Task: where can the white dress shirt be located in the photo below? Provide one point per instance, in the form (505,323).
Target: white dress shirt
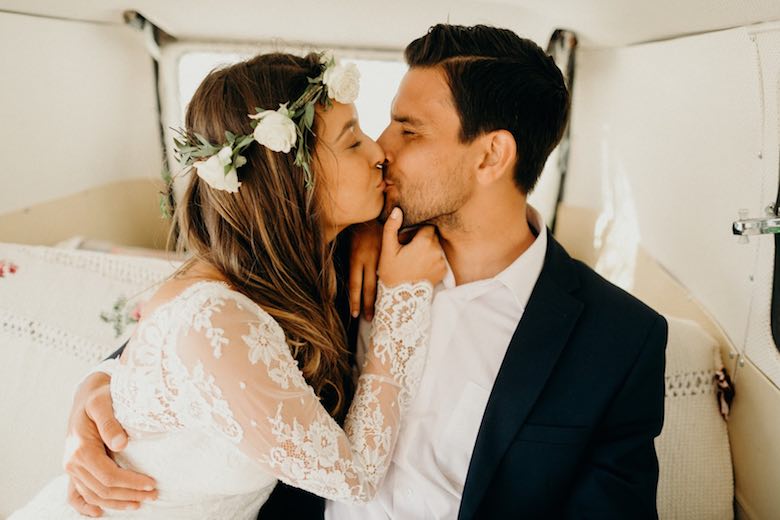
(471,327)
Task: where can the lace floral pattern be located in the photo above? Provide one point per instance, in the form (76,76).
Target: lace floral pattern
(226,368)
(400,326)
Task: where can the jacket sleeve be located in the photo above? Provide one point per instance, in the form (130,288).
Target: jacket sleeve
(619,478)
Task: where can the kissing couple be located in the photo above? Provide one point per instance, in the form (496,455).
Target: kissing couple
(498,378)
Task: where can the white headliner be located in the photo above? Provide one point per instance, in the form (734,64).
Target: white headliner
(391,25)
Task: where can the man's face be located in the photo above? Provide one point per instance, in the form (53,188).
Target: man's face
(427,170)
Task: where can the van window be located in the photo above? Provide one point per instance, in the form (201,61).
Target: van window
(379,79)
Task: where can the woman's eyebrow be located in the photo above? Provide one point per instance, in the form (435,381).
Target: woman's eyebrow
(349,124)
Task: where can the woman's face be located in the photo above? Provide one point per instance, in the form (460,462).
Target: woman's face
(350,187)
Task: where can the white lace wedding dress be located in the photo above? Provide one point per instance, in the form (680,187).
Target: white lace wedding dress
(217,409)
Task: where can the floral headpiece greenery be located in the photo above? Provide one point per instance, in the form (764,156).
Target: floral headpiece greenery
(279,130)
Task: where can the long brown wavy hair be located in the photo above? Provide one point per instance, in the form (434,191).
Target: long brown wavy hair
(267,239)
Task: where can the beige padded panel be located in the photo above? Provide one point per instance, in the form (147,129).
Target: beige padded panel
(759,346)
(77,109)
(668,135)
(124,213)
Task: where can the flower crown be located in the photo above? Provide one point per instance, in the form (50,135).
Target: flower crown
(278,130)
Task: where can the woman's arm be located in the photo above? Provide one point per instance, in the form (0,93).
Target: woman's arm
(251,391)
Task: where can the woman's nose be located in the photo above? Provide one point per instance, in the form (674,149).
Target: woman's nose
(377,153)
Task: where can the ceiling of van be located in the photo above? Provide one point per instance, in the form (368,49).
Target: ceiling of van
(392,24)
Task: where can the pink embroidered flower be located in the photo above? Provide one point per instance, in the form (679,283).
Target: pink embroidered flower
(136,314)
(7,267)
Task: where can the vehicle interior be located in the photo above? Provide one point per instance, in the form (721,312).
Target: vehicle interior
(666,183)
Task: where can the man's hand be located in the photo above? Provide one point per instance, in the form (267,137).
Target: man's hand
(364,258)
(95,479)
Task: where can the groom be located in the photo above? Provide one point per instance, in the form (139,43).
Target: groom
(543,388)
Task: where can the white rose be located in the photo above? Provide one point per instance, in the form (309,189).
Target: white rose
(343,82)
(275,130)
(212,171)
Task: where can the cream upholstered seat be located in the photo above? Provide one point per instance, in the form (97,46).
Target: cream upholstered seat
(61,312)
(696,478)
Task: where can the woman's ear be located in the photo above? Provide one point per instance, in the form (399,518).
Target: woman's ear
(498,156)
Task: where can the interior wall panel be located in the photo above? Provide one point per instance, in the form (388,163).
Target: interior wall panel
(670,140)
(78,109)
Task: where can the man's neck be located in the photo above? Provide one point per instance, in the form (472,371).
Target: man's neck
(488,240)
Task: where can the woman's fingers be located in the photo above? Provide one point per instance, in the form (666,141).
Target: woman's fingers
(390,232)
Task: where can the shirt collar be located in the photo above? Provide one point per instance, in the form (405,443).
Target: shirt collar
(520,276)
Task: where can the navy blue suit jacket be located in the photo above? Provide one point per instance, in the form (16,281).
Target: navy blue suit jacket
(569,426)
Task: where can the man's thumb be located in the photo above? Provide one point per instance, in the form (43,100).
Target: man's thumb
(392,225)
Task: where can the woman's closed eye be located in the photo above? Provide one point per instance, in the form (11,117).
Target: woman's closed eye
(356,144)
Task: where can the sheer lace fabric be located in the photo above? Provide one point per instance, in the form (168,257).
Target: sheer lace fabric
(218,410)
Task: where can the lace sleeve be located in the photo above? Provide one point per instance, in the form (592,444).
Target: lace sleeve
(249,388)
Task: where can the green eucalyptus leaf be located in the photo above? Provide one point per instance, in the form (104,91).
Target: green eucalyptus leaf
(308,116)
(245,141)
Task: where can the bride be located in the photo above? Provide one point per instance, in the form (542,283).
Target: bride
(237,373)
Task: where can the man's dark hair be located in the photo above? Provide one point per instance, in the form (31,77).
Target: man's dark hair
(499,81)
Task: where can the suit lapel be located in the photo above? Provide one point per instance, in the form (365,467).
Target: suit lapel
(533,351)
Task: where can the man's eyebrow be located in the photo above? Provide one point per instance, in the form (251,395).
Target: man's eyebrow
(349,124)
(407,119)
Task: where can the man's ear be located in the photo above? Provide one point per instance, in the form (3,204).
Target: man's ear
(498,156)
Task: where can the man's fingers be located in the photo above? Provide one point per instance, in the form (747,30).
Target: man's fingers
(78,503)
(131,497)
(390,232)
(94,460)
(95,500)
(369,293)
(110,475)
(355,286)
(100,410)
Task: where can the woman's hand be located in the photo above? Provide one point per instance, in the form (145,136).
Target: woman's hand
(95,479)
(421,259)
(365,246)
